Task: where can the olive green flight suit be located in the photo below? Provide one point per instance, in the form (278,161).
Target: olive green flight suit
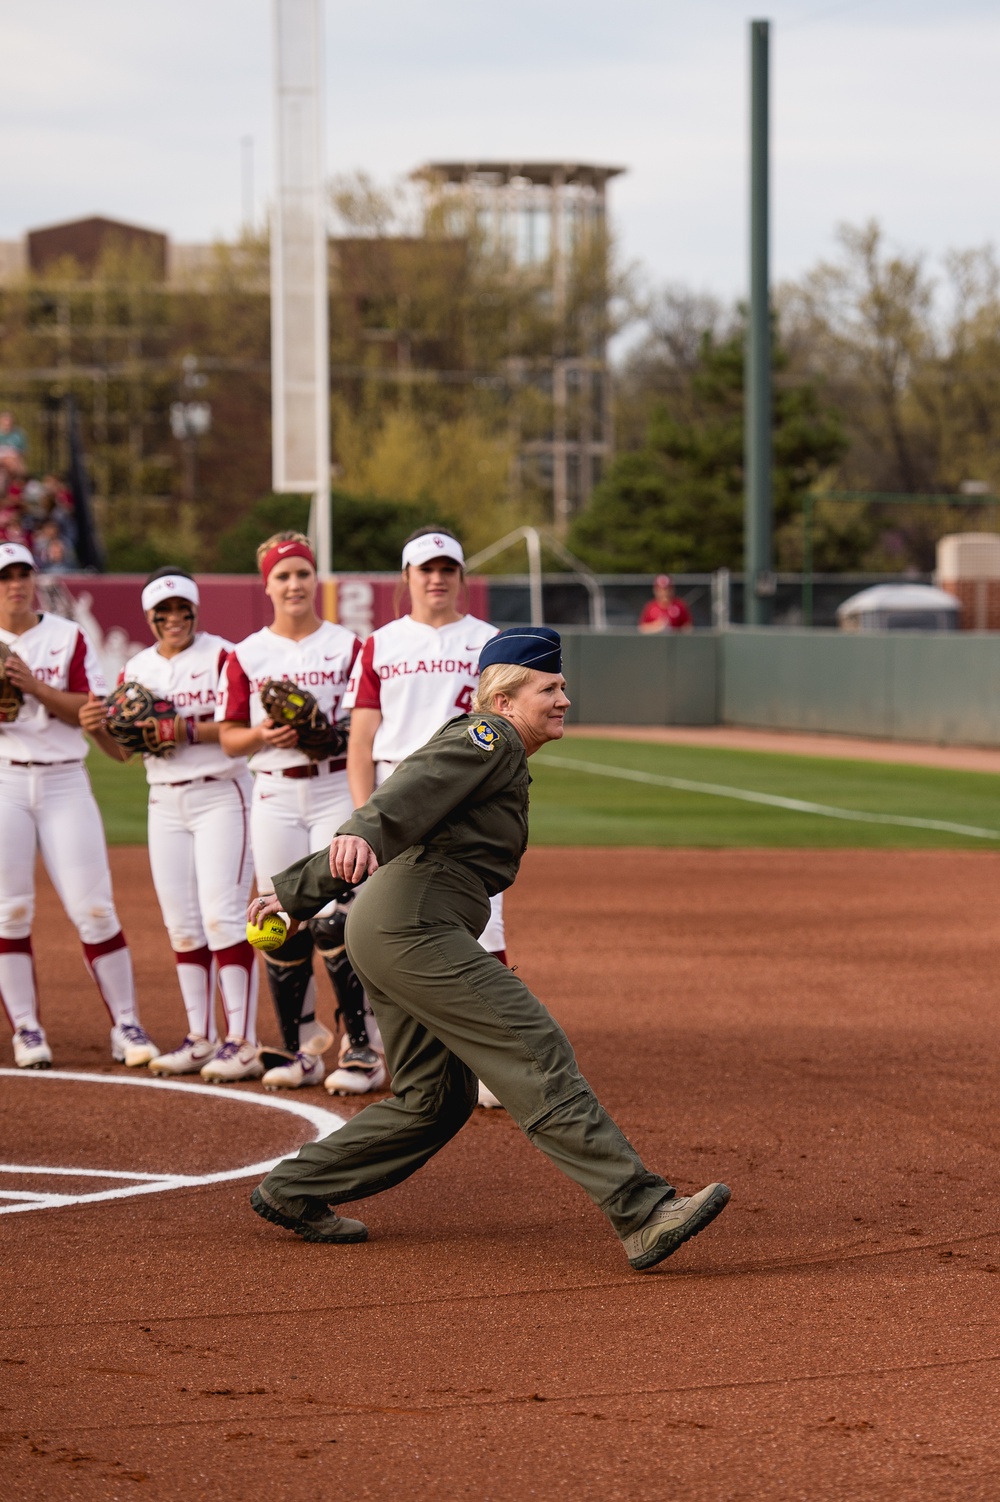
(449,829)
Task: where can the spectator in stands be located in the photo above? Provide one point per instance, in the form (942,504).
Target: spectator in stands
(58,505)
(34,497)
(51,553)
(13,445)
(664,612)
(11,518)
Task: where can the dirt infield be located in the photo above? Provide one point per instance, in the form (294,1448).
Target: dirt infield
(817,1028)
(799,743)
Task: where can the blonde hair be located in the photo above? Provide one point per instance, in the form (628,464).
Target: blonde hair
(266,547)
(498,678)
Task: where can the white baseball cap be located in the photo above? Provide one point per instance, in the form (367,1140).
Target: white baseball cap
(432,545)
(15,552)
(169,587)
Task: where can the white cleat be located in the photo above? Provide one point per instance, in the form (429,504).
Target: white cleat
(31,1051)
(236,1060)
(131,1045)
(303,1069)
(487,1099)
(186,1059)
(359,1071)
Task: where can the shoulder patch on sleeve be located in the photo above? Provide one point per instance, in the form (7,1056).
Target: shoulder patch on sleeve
(483,735)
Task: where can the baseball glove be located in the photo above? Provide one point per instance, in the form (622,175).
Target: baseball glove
(287,704)
(140,721)
(11,697)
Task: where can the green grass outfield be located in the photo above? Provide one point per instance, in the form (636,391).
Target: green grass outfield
(121,793)
(579,807)
(613,805)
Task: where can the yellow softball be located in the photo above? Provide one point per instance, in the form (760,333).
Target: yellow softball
(271,934)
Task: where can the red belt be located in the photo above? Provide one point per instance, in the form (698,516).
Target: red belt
(75,762)
(185,782)
(312,769)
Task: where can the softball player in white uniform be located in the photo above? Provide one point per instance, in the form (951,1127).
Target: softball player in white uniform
(298,803)
(46,804)
(199,836)
(414,675)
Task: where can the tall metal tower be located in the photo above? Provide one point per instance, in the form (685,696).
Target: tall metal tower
(543,216)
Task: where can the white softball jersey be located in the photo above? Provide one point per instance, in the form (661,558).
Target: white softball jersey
(321,663)
(292,814)
(418,677)
(59,654)
(191,681)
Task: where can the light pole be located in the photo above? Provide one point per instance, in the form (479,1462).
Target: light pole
(758,503)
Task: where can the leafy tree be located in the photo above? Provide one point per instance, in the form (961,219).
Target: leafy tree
(126,555)
(461,465)
(911,360)
(368,533)
(677,502)
(866,321)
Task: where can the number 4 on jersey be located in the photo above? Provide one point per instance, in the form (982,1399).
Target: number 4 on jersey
(464,700)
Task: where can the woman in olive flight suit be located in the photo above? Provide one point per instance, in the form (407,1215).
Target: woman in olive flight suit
(443,834)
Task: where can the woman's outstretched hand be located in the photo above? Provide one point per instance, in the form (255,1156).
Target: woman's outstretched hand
(351,858)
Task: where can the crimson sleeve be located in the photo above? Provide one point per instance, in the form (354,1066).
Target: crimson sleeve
(235,698)
(649,613)
(368,693)
(77,681)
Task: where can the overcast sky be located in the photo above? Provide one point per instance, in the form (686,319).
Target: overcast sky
(887,108)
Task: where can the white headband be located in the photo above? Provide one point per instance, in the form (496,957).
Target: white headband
(432,545)
(170,587)
(14,552)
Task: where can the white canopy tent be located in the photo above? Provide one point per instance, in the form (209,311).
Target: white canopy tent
(900,607)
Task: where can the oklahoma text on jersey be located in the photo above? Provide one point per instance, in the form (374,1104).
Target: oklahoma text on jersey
(401,669)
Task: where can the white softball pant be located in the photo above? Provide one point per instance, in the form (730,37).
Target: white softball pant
(293,817)
(52,809)
(199,854)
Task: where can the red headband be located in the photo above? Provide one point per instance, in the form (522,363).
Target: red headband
(283,550)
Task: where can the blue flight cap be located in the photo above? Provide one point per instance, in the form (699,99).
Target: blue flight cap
(537,647)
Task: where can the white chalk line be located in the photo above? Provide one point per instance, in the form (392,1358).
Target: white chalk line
(772,800)
(322,1120)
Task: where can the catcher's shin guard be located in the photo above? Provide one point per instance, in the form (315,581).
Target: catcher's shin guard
(289,975)
(329,936)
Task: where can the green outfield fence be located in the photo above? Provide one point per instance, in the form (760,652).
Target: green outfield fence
(909,686)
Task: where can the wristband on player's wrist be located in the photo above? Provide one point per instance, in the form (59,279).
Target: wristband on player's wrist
(191,731)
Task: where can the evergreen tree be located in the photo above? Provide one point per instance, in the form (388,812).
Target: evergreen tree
(677,502)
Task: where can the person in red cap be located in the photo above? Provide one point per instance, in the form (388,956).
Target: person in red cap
(664,612)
